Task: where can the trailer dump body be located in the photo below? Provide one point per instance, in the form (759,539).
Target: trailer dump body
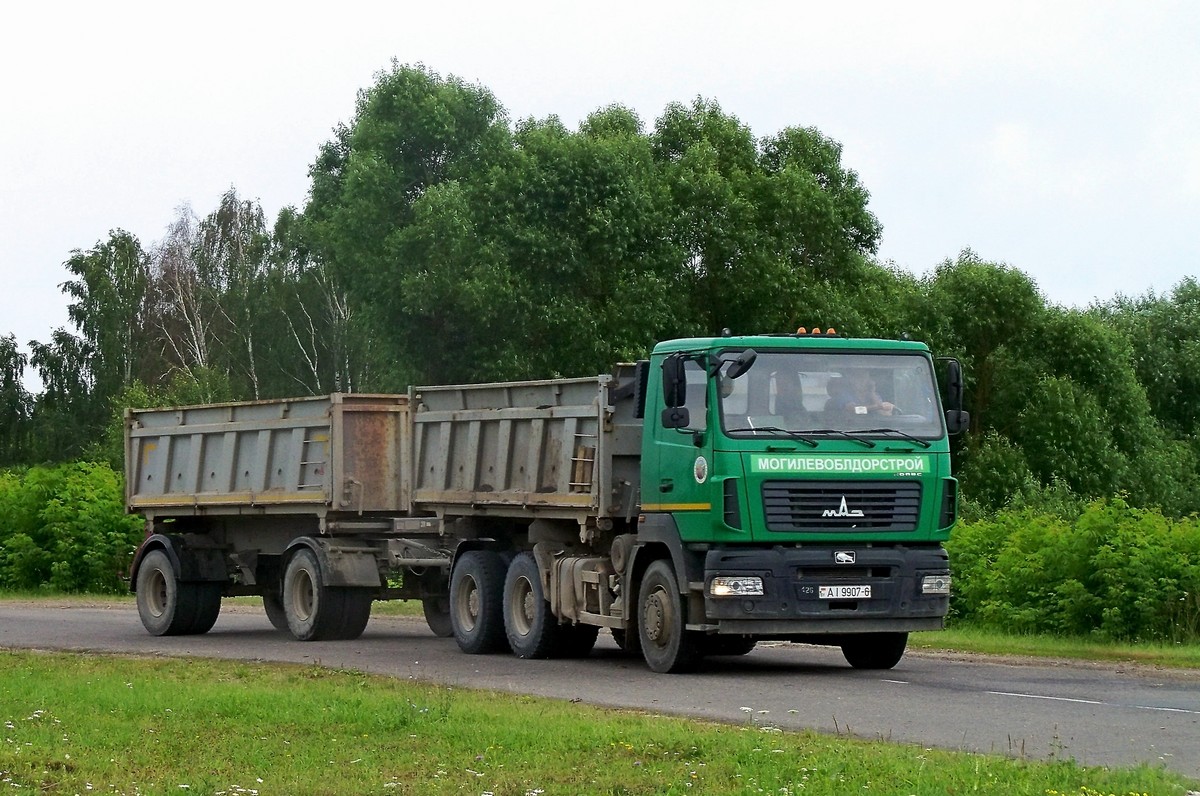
(312,456)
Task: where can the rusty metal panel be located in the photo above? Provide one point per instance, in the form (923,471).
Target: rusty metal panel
(370,441)
(339,452)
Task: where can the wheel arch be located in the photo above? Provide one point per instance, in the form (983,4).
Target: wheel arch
(658,537)
(190,564)
(340,566)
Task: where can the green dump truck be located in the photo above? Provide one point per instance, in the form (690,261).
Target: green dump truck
(725,491)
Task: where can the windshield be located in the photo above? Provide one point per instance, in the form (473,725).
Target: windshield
(872,395)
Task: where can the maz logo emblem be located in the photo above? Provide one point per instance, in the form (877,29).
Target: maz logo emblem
(842,511)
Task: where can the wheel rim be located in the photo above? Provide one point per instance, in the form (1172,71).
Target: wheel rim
(156,593)
(466,605)
(657,616)
(303,593)
(522,610)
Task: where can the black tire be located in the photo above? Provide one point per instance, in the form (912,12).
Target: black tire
(273,605)
(630,643)
(874,650)
(667,645)
(207,599)
(170,608)
(532,631)
(728,645)
(477,602)
(314,611)
(437,616)
(577,640)
(356,612)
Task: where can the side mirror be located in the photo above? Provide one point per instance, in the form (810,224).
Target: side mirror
(954,384)
(676,417)
(741,364)
(674,381)
(957,421)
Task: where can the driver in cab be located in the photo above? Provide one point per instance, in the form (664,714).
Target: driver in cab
(855,393)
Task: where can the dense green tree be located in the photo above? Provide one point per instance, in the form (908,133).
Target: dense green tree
(1164,334)
(110,304)
(69,409)
(15,402)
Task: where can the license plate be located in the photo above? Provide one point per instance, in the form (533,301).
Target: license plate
(844,592)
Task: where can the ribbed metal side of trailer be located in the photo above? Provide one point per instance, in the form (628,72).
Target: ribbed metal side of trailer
(337,453)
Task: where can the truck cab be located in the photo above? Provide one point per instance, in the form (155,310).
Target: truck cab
(798,487)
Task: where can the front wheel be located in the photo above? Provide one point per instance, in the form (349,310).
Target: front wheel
(729,645)
(874,650)
(170,608)
(667,645)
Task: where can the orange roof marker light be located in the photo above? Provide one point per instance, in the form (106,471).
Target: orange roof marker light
(816,331)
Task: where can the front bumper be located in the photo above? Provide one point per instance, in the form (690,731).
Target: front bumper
(792,576)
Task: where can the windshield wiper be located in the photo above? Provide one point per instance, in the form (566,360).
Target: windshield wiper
(838,432)
(924,443)
(796,435)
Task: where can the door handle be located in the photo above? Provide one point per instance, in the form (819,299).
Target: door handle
(666,485)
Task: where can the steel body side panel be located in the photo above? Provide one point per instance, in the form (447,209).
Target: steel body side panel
(303,455)
(553,448)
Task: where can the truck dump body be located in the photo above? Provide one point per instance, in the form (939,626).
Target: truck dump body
(561,448)
(292,456)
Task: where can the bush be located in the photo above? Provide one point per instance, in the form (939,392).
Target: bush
(1111,571)
(65,528)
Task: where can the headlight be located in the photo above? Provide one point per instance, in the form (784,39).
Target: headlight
(736,587)
(935,584)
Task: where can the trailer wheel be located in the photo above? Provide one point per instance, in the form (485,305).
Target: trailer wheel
(170,608)
(477,602)
(437,616)
(273,605)
(874,650)
(667,645)
(356,612)
(317,612)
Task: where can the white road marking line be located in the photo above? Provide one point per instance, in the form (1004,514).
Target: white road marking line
(1094,702)
(897,682)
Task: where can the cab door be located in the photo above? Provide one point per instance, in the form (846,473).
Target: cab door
(679,482)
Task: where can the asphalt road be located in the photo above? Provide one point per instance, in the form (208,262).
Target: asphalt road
(1097,715)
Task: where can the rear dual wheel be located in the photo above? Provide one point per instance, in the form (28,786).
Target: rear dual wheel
(477,602)
(316,611)
(168,607)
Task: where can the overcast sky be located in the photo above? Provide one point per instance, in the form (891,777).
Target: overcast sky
(1061,138)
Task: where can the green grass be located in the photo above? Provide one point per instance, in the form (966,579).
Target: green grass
(87,723)
(991,642)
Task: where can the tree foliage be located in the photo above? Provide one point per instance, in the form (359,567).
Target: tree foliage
(441,243)
(65,528)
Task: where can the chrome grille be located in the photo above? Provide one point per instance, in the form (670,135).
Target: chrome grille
(814,506)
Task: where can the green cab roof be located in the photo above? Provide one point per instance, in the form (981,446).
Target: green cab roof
(790,342)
